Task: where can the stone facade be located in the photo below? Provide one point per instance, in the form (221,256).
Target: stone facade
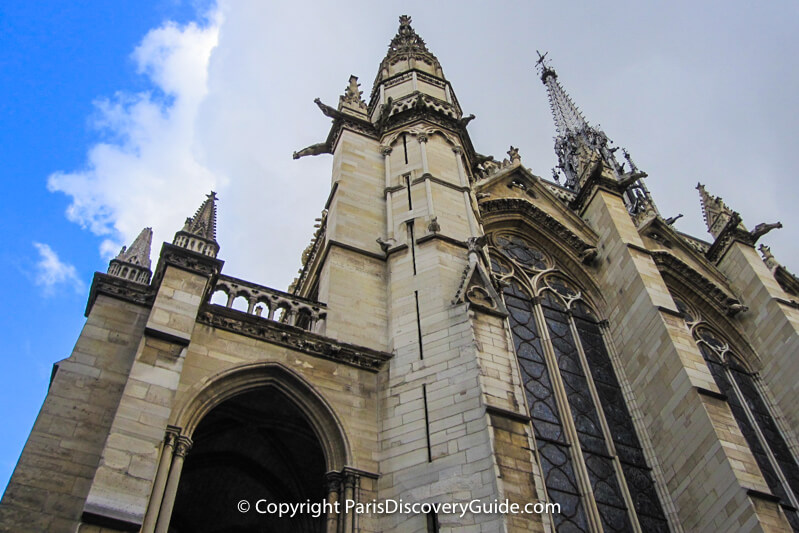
(458,325)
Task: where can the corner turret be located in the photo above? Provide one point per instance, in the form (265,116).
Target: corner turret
(199,232)
(134,263)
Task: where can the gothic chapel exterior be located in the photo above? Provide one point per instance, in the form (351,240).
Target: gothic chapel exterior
(461,329)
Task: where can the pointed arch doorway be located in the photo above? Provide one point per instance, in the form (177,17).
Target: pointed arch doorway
(258,432)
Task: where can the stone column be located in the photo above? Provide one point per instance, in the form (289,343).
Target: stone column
(181,450)
(333,482)
(422,138)
(350,480)
(467,200)
(160,479)
(386,151)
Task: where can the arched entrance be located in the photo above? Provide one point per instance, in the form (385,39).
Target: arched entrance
(254,432)
(257,445)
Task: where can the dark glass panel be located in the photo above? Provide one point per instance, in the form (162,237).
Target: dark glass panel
(601,474)
(554,452)
(620,423)
(724,385)
(767,425)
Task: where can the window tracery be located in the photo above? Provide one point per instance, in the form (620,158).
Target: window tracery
(750,410)
(591,459)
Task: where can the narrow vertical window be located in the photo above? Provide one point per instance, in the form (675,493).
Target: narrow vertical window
(588,438)
(752,414)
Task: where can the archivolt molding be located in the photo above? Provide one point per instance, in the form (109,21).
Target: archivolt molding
(539,218)
(207,394)
(688,277)
(698,317)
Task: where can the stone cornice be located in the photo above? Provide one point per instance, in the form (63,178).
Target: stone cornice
(539,216)
(439,181)
(121,289)
(445,238)
(668,263)
(187,260)
(291,337)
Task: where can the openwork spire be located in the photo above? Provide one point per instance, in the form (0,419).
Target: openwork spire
(134,263)
(568,118)
(199,232)
(714,211)
(583,149)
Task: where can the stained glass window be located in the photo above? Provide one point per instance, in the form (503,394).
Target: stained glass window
(583,430)
(752,414)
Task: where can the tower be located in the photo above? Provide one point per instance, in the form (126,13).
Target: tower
(462,334)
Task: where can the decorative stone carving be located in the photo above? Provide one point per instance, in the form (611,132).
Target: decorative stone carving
(291,337)
(314,149)
(538,217)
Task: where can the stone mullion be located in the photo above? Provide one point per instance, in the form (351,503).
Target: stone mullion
(643,437)
(581,471)
(759,433)
(610,445)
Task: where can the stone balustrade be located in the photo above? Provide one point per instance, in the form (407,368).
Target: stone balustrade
(296,311)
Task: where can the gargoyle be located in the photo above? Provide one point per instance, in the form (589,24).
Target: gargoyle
(762,229)
(465,120)
(630,178)
(326,109)
(588,255)
(672,220)
(314,149)
(735,308)
(385,111)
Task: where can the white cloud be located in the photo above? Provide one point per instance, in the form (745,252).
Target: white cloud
(147,171)
(50,271)
(693,99)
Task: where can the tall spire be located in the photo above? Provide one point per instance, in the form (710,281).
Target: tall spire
(714,211)
(568,118)
(199,232)
(580,147)
(134,263)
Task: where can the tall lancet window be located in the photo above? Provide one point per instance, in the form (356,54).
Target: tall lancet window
(751,412)
(590,455)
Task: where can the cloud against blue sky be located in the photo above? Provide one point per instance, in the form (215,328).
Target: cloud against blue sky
(123,115)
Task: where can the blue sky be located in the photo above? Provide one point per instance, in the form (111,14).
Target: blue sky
(120,115)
